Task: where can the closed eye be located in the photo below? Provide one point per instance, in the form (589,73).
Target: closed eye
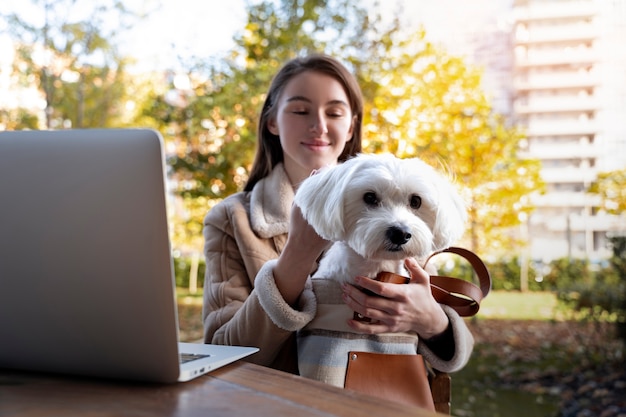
(371,199)
(415,202)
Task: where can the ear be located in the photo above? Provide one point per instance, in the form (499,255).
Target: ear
(272,127)
(451,214)
(321,200)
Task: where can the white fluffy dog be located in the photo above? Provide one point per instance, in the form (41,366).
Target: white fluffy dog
(380,210)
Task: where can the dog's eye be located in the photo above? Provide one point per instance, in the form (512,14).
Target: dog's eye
(416,201)
(370,199)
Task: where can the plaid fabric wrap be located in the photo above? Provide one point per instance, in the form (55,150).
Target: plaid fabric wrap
(323,345)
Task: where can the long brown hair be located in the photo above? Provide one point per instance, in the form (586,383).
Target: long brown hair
(269,151)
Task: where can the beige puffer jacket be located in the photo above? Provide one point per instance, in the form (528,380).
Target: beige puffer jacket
(243,235)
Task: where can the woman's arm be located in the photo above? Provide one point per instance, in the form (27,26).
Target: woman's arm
(299,257)
(232,313)
(242,301)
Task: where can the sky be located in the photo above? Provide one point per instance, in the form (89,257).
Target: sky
(184,27)
(207,27)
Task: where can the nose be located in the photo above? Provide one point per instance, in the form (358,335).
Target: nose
(398,235)
(318,125)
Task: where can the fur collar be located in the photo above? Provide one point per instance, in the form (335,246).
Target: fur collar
(270,204)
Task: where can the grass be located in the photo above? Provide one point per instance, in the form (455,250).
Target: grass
(183,296)
(515,305)
(497,305)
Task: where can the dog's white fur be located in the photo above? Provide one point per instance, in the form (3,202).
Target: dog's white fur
(364,205)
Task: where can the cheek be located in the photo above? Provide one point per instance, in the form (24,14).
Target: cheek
(288,123)
(341,129)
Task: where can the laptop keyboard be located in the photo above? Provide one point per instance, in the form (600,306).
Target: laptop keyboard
(188,357)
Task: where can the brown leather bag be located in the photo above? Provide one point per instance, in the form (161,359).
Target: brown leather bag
(399,378)
(403,378)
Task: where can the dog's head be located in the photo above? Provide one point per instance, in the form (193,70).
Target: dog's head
(383,207)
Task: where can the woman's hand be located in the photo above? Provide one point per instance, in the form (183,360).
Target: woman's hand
(400,308)
(296,261)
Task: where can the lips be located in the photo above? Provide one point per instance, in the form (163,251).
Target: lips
(316,143)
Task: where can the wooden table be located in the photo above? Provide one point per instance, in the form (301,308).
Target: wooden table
(237,390)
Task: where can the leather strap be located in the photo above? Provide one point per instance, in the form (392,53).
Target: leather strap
(463,296)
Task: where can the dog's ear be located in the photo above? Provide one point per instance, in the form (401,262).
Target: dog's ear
(451,214)
(321,200)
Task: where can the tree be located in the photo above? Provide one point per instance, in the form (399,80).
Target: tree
(429,104)
(611,188)
(420,101)
(73,60)
(211,123)
(15,119)
(222,111)
(618,263)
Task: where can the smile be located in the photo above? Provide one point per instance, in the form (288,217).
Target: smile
(316,145)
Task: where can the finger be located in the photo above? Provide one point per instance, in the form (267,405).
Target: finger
(418,275)
(374,327)
(357,300)
(372,307)
(381,289)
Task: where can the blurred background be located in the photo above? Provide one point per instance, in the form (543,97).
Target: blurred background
(524,101)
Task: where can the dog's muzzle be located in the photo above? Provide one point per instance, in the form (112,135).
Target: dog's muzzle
(398,236)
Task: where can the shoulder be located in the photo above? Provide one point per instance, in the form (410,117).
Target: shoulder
(232,206)
(266,209)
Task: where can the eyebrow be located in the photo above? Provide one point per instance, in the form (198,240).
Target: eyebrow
(305,99)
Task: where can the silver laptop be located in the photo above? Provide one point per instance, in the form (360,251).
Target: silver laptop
(86,281)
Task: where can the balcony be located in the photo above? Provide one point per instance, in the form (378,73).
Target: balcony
(562,128)
(568,176)
(556,105)
(565,199)
(557,57)
(583,223)
(542,11)
(538,150)
(572,34)
(555,81)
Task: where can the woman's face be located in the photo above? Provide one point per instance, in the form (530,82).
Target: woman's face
(313,121)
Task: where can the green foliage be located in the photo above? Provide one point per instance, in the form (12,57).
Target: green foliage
(505,274)
(14,119)
(419,101)
(594,292)
(566,272)
(618,264)
(182,271)
(73,62)
(424,102)
(611,187)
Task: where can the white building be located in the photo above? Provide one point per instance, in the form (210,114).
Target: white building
(556,68)
(569,90)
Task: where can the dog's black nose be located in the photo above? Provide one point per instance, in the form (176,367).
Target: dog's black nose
(398,235)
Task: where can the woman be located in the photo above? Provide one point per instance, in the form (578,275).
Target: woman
(259,250)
